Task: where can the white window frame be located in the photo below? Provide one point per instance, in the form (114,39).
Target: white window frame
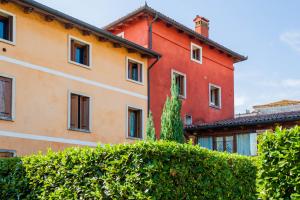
(220,96)
(185,82)
(14,27)
(185,117)
(201,55)
(122,34)
(143,68)
(69,111)
(126,121)
(13,98)
(70,37)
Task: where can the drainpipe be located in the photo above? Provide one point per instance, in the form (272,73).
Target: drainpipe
(152,65)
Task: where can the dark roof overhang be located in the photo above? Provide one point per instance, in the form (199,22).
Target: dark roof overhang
(259,119)
(102,34)
(146,9)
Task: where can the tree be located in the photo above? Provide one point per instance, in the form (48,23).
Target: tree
(150,130)
(171,123)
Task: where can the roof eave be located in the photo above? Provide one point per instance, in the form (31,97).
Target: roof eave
(236,57)
(80,24)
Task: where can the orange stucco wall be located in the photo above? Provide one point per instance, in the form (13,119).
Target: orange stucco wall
(41,100)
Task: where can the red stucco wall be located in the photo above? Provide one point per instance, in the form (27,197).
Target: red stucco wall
(216,68)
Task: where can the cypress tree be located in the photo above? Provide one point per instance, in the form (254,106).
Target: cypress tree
(150,130)
(171,123)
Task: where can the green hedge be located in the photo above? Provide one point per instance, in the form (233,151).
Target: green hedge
(145,170)
(279,174)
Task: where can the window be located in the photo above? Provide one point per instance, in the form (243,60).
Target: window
(122,35)
(79,112)
(135,123)
(244,144)
(6,97)
(180,80)
(134,71)
(7,153)
(214,96)
(196,53)
(206,142)
(7,27)
(188,120)
(247,144)
(80,52)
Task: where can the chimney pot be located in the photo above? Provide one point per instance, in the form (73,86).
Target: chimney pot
(202,25)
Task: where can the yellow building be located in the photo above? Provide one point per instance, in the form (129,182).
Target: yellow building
(64,82)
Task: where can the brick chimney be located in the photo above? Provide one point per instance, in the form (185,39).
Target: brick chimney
(202,26)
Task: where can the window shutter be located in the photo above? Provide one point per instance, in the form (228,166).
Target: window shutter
(74,111)
(8,97)
(84,112)
(10,28)
(140,67)
(182,85)
(86,55)
(73,50)
(138,124)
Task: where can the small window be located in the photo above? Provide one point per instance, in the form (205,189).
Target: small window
(6,26)
(214,96)
(80,112)
(180,80)
(6,98)
(188,120)
(122,35)
(196,53)
(80,52)
(135,121)
(134,71)
(7,153)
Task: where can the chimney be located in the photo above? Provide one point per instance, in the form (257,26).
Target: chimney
(202,25)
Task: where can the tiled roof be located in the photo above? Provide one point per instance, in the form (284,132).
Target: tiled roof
(180,26)
(247,121)
(85,26)
(278,103)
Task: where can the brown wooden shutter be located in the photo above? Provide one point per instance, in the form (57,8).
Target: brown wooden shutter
(73,50)
(86,54)
(130,70)
(74,111)
(10,28)
(182,85)
(8,97)
(140,71)
(84,112)
(128,122)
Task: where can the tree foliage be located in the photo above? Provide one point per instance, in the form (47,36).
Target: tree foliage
(171,123)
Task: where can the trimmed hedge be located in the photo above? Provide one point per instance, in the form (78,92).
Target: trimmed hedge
(279,171)
(145,170)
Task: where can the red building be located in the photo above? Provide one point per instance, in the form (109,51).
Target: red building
(203,68)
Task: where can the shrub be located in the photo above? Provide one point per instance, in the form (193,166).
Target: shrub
(145,170)
(13,183)
(150,130)
(279,166)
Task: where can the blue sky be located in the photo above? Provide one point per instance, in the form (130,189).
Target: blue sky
(268,32)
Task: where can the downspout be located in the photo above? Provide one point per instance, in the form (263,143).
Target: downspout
(152,65)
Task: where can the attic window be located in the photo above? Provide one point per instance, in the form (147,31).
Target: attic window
(196,53)
(7,27)
(80,52)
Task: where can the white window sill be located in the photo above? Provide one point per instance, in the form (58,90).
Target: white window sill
(80,65)
(197,61)
(8,42)
(215,107)
(133,138)
(136,82)
(79,130)
(6,118)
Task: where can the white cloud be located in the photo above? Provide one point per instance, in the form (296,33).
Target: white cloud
(292,39)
